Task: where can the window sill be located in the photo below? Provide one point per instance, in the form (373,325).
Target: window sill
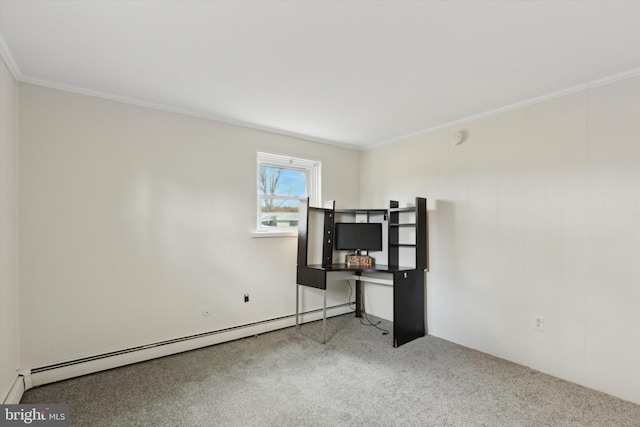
(289,233)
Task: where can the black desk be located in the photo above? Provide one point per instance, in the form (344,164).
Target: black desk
(408,295)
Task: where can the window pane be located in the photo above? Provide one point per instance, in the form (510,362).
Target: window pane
(276,212)
(282,182)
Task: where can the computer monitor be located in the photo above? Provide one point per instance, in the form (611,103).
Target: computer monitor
(359,236)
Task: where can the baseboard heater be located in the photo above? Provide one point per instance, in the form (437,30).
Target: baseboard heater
(64,370)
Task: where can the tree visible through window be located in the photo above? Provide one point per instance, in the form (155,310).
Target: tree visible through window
(282,182)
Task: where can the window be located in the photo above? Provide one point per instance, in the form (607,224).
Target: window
(282,182)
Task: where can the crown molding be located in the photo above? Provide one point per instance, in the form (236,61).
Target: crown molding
(6,55)
(185,112)
(12,65)
(8,59)
(537,100)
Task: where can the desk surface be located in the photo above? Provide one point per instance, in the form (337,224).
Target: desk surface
(378,268)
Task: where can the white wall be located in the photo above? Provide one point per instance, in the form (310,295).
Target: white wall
(536,213)
(133,221)
(8,232)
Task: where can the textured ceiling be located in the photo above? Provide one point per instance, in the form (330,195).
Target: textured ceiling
(353,73)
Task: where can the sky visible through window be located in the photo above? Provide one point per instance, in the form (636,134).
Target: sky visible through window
(290,183)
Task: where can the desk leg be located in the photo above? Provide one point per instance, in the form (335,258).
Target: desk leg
(324,312)
(358,298)
(297,304)
(324,317)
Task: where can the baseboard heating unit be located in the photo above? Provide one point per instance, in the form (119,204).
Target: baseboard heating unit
(87,365)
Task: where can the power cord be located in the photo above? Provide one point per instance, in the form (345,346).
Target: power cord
(352,304)
(369,322)
(375,325)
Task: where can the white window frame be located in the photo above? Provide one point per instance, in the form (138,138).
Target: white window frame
(312,168)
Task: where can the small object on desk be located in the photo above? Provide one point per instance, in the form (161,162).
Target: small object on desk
(359,261)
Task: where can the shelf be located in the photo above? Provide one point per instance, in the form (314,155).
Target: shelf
(361,211)
(407,209)
(406,224)
(311,208)
(403,245)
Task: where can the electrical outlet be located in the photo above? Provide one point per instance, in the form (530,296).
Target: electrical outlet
(538,323)
(246,297)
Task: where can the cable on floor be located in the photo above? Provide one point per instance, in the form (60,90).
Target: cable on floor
(368,321)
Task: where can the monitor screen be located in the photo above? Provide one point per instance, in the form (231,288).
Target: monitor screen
(359,236)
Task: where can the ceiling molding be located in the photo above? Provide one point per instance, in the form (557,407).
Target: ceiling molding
(133,101)
(12,65)
(7,56)
(185,112)
(8,59)
(250,66)
(537,100)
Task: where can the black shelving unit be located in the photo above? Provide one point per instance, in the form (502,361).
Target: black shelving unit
(408,281)
(419,223)
(408,290)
